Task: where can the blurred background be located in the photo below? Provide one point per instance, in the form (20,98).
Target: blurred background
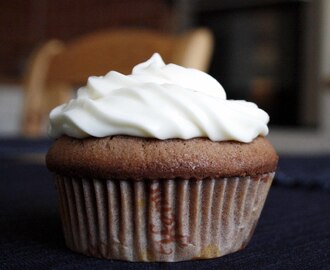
(275,53)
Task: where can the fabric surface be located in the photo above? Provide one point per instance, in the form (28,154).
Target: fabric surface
(292,233)
(12,147)
(308,171)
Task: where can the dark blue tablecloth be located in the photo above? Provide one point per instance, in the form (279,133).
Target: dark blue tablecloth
(293,231)
(304,170)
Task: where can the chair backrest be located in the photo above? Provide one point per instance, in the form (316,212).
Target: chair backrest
(55,68)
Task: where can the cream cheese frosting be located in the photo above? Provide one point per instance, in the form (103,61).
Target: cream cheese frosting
(158,101)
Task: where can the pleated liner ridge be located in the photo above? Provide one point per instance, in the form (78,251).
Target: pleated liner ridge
(160,220)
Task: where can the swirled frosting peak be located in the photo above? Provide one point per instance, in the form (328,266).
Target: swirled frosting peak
(158,101)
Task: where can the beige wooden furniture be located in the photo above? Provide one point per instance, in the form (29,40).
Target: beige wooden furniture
(55,68)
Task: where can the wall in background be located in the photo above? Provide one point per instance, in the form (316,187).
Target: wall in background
(11,100)
(24,25)
(314,141)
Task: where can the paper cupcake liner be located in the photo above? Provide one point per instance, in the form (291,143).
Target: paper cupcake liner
(160,220)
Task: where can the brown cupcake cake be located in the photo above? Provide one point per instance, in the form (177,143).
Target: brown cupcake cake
(159,191)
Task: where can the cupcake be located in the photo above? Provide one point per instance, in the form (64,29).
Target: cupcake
(159,166)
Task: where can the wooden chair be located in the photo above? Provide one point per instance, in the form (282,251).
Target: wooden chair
(56,68)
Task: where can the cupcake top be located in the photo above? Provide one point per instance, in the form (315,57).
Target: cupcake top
(161,121)
(158,101)
(134,158)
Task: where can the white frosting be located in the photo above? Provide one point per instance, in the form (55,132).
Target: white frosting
(159,101)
